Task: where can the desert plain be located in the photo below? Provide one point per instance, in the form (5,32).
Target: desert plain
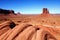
(17,26)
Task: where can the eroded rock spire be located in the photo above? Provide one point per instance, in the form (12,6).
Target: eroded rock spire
(45,11)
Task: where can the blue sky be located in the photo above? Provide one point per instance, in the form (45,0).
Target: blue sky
(31,6)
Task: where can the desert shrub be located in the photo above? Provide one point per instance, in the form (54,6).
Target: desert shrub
(12,25)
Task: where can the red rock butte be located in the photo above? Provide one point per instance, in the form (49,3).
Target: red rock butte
(16,26)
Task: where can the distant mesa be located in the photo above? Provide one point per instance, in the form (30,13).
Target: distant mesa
(45,12)
(18,13)
(4,11)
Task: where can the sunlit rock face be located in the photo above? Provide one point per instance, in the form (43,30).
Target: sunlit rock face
(45,11)
(43,26)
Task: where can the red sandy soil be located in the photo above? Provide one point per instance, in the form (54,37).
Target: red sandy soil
(44,26)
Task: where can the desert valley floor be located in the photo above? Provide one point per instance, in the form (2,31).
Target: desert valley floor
(44,26)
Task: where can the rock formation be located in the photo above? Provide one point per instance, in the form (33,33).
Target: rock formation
(4,11)
(26,31)
(45,12)
(30,27)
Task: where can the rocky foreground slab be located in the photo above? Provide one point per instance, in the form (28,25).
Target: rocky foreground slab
(26,31)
